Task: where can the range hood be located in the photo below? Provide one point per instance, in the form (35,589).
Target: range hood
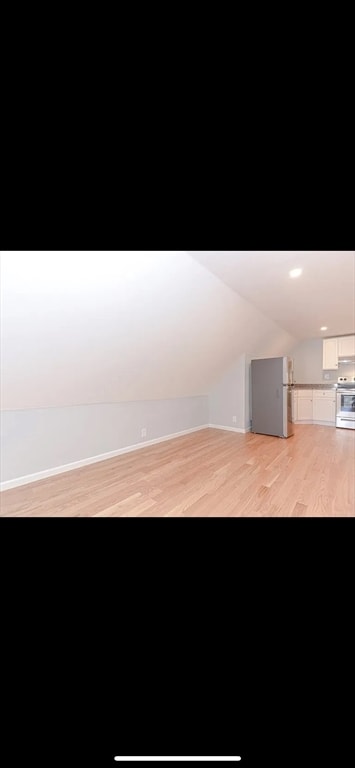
(347,359)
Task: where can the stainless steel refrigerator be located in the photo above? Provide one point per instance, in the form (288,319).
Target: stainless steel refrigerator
(271,396)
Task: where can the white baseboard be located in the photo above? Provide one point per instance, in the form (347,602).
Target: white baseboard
(17,481)
(230,429)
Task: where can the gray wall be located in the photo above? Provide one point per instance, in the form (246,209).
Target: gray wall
(227,398)
(308,363)
(45,438)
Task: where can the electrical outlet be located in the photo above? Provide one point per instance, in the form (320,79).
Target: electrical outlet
(143,432)
(234,419)
(327,375)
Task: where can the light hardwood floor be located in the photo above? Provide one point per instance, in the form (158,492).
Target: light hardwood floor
(206,474)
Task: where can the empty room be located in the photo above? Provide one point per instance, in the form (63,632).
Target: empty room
(177,384)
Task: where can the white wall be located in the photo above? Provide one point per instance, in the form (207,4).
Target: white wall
(80,328)
(93,344)
(308,364)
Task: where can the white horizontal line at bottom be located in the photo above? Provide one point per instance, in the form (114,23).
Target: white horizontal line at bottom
(177,759)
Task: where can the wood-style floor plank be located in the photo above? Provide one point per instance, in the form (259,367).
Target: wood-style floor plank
(209,473)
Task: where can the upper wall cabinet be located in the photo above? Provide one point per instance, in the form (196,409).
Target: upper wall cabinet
(341,346)
(330,354)
(346,346)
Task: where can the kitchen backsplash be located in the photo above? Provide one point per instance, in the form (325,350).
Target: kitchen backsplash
(344,370)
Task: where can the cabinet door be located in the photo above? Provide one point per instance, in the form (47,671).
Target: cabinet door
(305,409)
(346,346)
(324,409)
(330,354)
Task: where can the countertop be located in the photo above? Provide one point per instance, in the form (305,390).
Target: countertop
(326,385)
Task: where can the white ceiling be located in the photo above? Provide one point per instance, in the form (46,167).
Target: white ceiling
(323,295)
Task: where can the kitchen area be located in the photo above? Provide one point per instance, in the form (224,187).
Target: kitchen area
(315,384)
(331,400)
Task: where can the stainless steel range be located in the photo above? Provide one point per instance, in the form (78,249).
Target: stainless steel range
(346,404)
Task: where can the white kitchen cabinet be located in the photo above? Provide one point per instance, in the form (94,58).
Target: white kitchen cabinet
(330,354)
(324,405)
(346,346)
(305,405)
(315,406)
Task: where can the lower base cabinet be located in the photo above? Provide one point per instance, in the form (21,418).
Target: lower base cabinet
(315,406)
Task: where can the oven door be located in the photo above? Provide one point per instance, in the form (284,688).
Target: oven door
(346,409)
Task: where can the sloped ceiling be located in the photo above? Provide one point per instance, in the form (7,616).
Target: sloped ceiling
(323,295)
(79,328)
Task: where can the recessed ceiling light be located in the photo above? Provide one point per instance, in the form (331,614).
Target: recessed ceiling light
(295,272)
(324,328)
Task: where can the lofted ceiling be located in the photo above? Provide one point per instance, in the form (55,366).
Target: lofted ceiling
(323,295)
